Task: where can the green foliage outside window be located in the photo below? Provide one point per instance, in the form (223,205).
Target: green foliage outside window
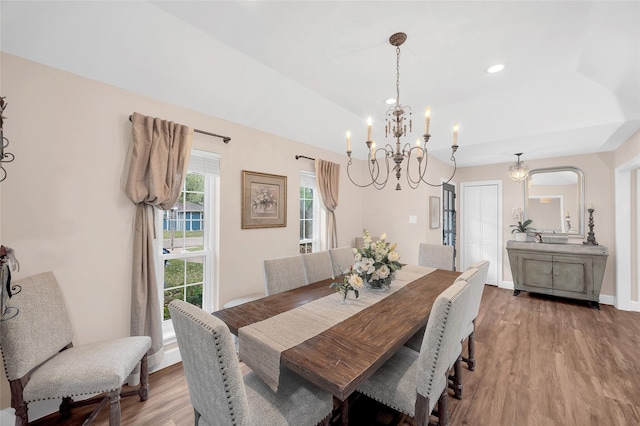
(176,284)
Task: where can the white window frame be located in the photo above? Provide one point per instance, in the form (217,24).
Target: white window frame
(206,163)
(308,180)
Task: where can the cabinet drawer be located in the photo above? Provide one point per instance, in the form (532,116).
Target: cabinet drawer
(536,270)
(571,273)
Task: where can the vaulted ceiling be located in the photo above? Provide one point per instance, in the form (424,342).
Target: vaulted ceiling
(311,70)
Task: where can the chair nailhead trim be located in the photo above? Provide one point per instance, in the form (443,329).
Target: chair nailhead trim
(218,345)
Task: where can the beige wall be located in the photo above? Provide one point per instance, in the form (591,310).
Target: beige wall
(387,211)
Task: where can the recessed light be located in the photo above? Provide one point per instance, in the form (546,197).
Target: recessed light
(390,101)
(495,68)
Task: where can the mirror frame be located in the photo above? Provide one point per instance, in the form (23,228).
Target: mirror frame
(579,195)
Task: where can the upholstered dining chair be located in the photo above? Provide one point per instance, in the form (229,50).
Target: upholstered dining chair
(221,395)
(412,382)
(317,266)
(436,256)
(477,283)
(342,258)
(42,363)
(283,273)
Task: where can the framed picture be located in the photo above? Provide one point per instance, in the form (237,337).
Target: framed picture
(434,212)
(264,200)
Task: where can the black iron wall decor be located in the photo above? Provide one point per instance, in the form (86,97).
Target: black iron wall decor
(8,262)
(5,157)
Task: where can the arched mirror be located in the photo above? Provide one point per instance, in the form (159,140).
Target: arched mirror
(554,201)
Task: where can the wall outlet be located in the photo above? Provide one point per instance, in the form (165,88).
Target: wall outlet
(413,219)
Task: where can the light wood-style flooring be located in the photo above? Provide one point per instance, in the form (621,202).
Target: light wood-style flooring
(540,361)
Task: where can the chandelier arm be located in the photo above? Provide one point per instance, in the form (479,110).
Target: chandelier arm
(351,179)
(374,165)
(422,166)
(448,180)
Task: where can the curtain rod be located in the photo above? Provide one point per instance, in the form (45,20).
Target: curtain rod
(302,156)
(225,139)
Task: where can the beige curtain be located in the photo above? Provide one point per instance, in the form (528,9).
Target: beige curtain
(158,160)
(327,180)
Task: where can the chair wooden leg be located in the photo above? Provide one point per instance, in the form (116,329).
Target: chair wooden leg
(422,410)
(443,408)
(114,407)
(457,378)
(471,362)
(65,408)
(17,402)
(144,378)
(196,416)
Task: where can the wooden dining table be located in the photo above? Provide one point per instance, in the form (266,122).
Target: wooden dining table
(340,358)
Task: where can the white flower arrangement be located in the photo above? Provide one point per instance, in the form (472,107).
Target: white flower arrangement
(376,261)
(351,282)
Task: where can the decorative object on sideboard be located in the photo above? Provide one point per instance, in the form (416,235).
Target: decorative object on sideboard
(520,230)
(8,263)
(591,237)
(5,157)
(555,238)
(397,127)
(518,171)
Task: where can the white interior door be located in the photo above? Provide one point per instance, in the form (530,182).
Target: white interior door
(481,222)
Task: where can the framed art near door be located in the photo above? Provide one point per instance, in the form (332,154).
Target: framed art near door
(434,212)
(264,200)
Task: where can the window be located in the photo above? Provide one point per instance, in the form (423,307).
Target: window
(309,214)
(185,253)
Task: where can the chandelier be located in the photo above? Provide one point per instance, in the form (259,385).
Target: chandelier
(518,171)
(379,158)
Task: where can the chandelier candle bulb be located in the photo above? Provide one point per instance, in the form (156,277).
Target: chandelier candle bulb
(427,119)
(369,128)
(373,150)
(455,134)
(348,141)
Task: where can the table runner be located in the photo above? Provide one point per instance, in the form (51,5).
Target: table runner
(261,343)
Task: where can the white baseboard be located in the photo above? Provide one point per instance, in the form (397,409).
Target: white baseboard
(605,299)
(40,409)
(37,410)
(630,305)
(171,356)
(506,284)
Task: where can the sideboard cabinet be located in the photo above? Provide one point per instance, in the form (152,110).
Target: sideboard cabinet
(567,270)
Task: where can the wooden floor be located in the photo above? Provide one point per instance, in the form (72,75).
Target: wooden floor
(540,361)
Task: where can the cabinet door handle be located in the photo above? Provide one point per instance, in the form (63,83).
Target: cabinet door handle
(556,274)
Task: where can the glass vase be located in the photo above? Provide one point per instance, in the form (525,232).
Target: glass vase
(379,285)
(344,297)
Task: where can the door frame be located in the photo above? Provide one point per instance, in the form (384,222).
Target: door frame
(499,231)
